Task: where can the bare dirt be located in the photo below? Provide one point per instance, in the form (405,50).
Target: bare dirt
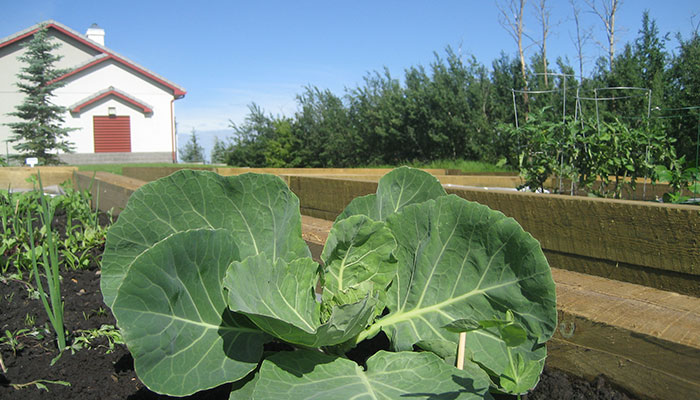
(101,373)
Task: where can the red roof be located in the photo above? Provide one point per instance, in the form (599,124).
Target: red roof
(145,108)
(178,92)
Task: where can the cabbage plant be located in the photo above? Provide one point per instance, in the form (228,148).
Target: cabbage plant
(211,282)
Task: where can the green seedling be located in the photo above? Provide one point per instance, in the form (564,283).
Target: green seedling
(85,338)
(29,320)
(11,339)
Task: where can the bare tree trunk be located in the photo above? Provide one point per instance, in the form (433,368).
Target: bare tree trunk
(512,21)
(543,16)
(582,37)
(606,12)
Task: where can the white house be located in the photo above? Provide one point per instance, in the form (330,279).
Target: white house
(122,111)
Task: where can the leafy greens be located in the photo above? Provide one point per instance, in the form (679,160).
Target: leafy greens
(201,271)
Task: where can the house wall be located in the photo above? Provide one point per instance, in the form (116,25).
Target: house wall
(9,94)
(149,133)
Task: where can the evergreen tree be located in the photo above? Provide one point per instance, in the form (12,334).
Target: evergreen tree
(685,96)
(40,133)
(653,59)
(219,152)
(377,113)
(192,152)
(323,128)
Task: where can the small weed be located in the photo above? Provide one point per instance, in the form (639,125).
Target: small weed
(29,320)
(33,294)
(84,338)
(14,339)
(9,297)
(11,339)
(100,312)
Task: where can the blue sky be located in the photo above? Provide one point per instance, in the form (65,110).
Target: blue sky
(227,54)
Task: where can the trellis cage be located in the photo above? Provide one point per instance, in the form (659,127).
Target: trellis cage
(691,110)
(596,99)
(561,89)
(578,110)
(646,93)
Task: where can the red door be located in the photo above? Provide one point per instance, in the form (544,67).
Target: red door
(112,134)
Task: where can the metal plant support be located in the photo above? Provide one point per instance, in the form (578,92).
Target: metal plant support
(596,99)
(578,111)
(690,109)
(563,113)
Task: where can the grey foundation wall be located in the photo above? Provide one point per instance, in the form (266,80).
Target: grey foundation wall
(116,158)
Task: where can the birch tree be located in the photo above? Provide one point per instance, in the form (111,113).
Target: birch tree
(511,19)
(606,10)
(583,36)
(542,14)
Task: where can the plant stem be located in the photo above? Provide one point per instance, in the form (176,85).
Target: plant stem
(460,350)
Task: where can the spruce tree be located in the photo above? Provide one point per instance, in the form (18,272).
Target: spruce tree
(40,133)
(192,152)
(219,154)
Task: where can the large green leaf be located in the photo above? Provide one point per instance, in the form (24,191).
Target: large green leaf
(279,298)
(397,189)
(172,312)
(309,374)
(358,261)
(460,260)
(259,210)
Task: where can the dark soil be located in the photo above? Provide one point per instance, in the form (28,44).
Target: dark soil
(98,373)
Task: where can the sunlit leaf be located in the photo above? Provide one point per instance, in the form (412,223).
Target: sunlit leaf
(261,212)
(461,260)
(358,262)
(172,313)
(400,187)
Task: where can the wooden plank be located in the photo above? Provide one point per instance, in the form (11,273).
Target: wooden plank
(113,190)
(227,171)
(16,177)
(641,380)
(149,174)
(327,197)
(648,234)
(688,284)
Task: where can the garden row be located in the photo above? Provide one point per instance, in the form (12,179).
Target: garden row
(643,338)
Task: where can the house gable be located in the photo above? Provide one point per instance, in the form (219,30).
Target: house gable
(104,95)
(75,37)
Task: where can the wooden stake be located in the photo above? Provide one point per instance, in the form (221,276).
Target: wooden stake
(460,350)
